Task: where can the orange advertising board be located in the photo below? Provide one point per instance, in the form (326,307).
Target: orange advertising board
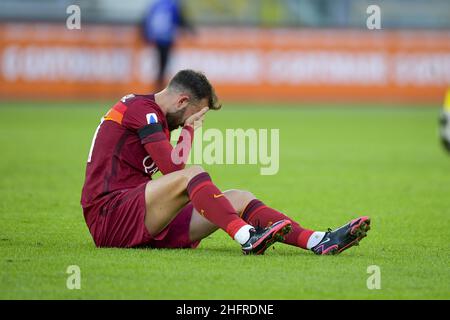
(48,61)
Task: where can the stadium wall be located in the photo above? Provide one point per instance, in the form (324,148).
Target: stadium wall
(48,61)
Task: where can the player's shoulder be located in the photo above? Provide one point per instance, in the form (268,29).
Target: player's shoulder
(140,102)
(140,108)
(132,99)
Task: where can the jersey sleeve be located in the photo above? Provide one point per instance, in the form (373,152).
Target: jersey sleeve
(167,158)
(142,113)
(146,119)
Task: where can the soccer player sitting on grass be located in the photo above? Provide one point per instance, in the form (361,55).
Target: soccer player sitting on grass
(123,206)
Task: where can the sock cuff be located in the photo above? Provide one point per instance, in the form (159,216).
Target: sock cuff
(252,207)
(234,226)
(303,238)
(197,183)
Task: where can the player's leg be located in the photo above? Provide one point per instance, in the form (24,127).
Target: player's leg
(166,195)
(240,200)
(257,213)
(200,227)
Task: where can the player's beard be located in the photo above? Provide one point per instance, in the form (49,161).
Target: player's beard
(175,119)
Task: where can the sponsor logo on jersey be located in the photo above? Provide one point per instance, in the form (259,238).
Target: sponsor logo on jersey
(151,118)
(150,167)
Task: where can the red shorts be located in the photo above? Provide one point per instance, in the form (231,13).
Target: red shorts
(119,222)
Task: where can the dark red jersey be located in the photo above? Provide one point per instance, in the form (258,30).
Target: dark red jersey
(131,143)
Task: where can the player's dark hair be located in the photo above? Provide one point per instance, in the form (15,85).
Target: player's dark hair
(197,85)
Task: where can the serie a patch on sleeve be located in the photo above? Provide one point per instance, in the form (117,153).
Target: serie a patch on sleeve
(151,118)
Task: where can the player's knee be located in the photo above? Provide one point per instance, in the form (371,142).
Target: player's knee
(191,172)
(246,196)
(239,198)
(194,170)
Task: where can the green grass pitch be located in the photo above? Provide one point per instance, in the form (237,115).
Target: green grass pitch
(335,164)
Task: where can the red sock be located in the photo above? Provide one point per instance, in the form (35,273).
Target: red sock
(257,213)
(210,202)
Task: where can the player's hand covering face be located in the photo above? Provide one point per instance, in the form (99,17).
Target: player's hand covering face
(196,120)
(187,113)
